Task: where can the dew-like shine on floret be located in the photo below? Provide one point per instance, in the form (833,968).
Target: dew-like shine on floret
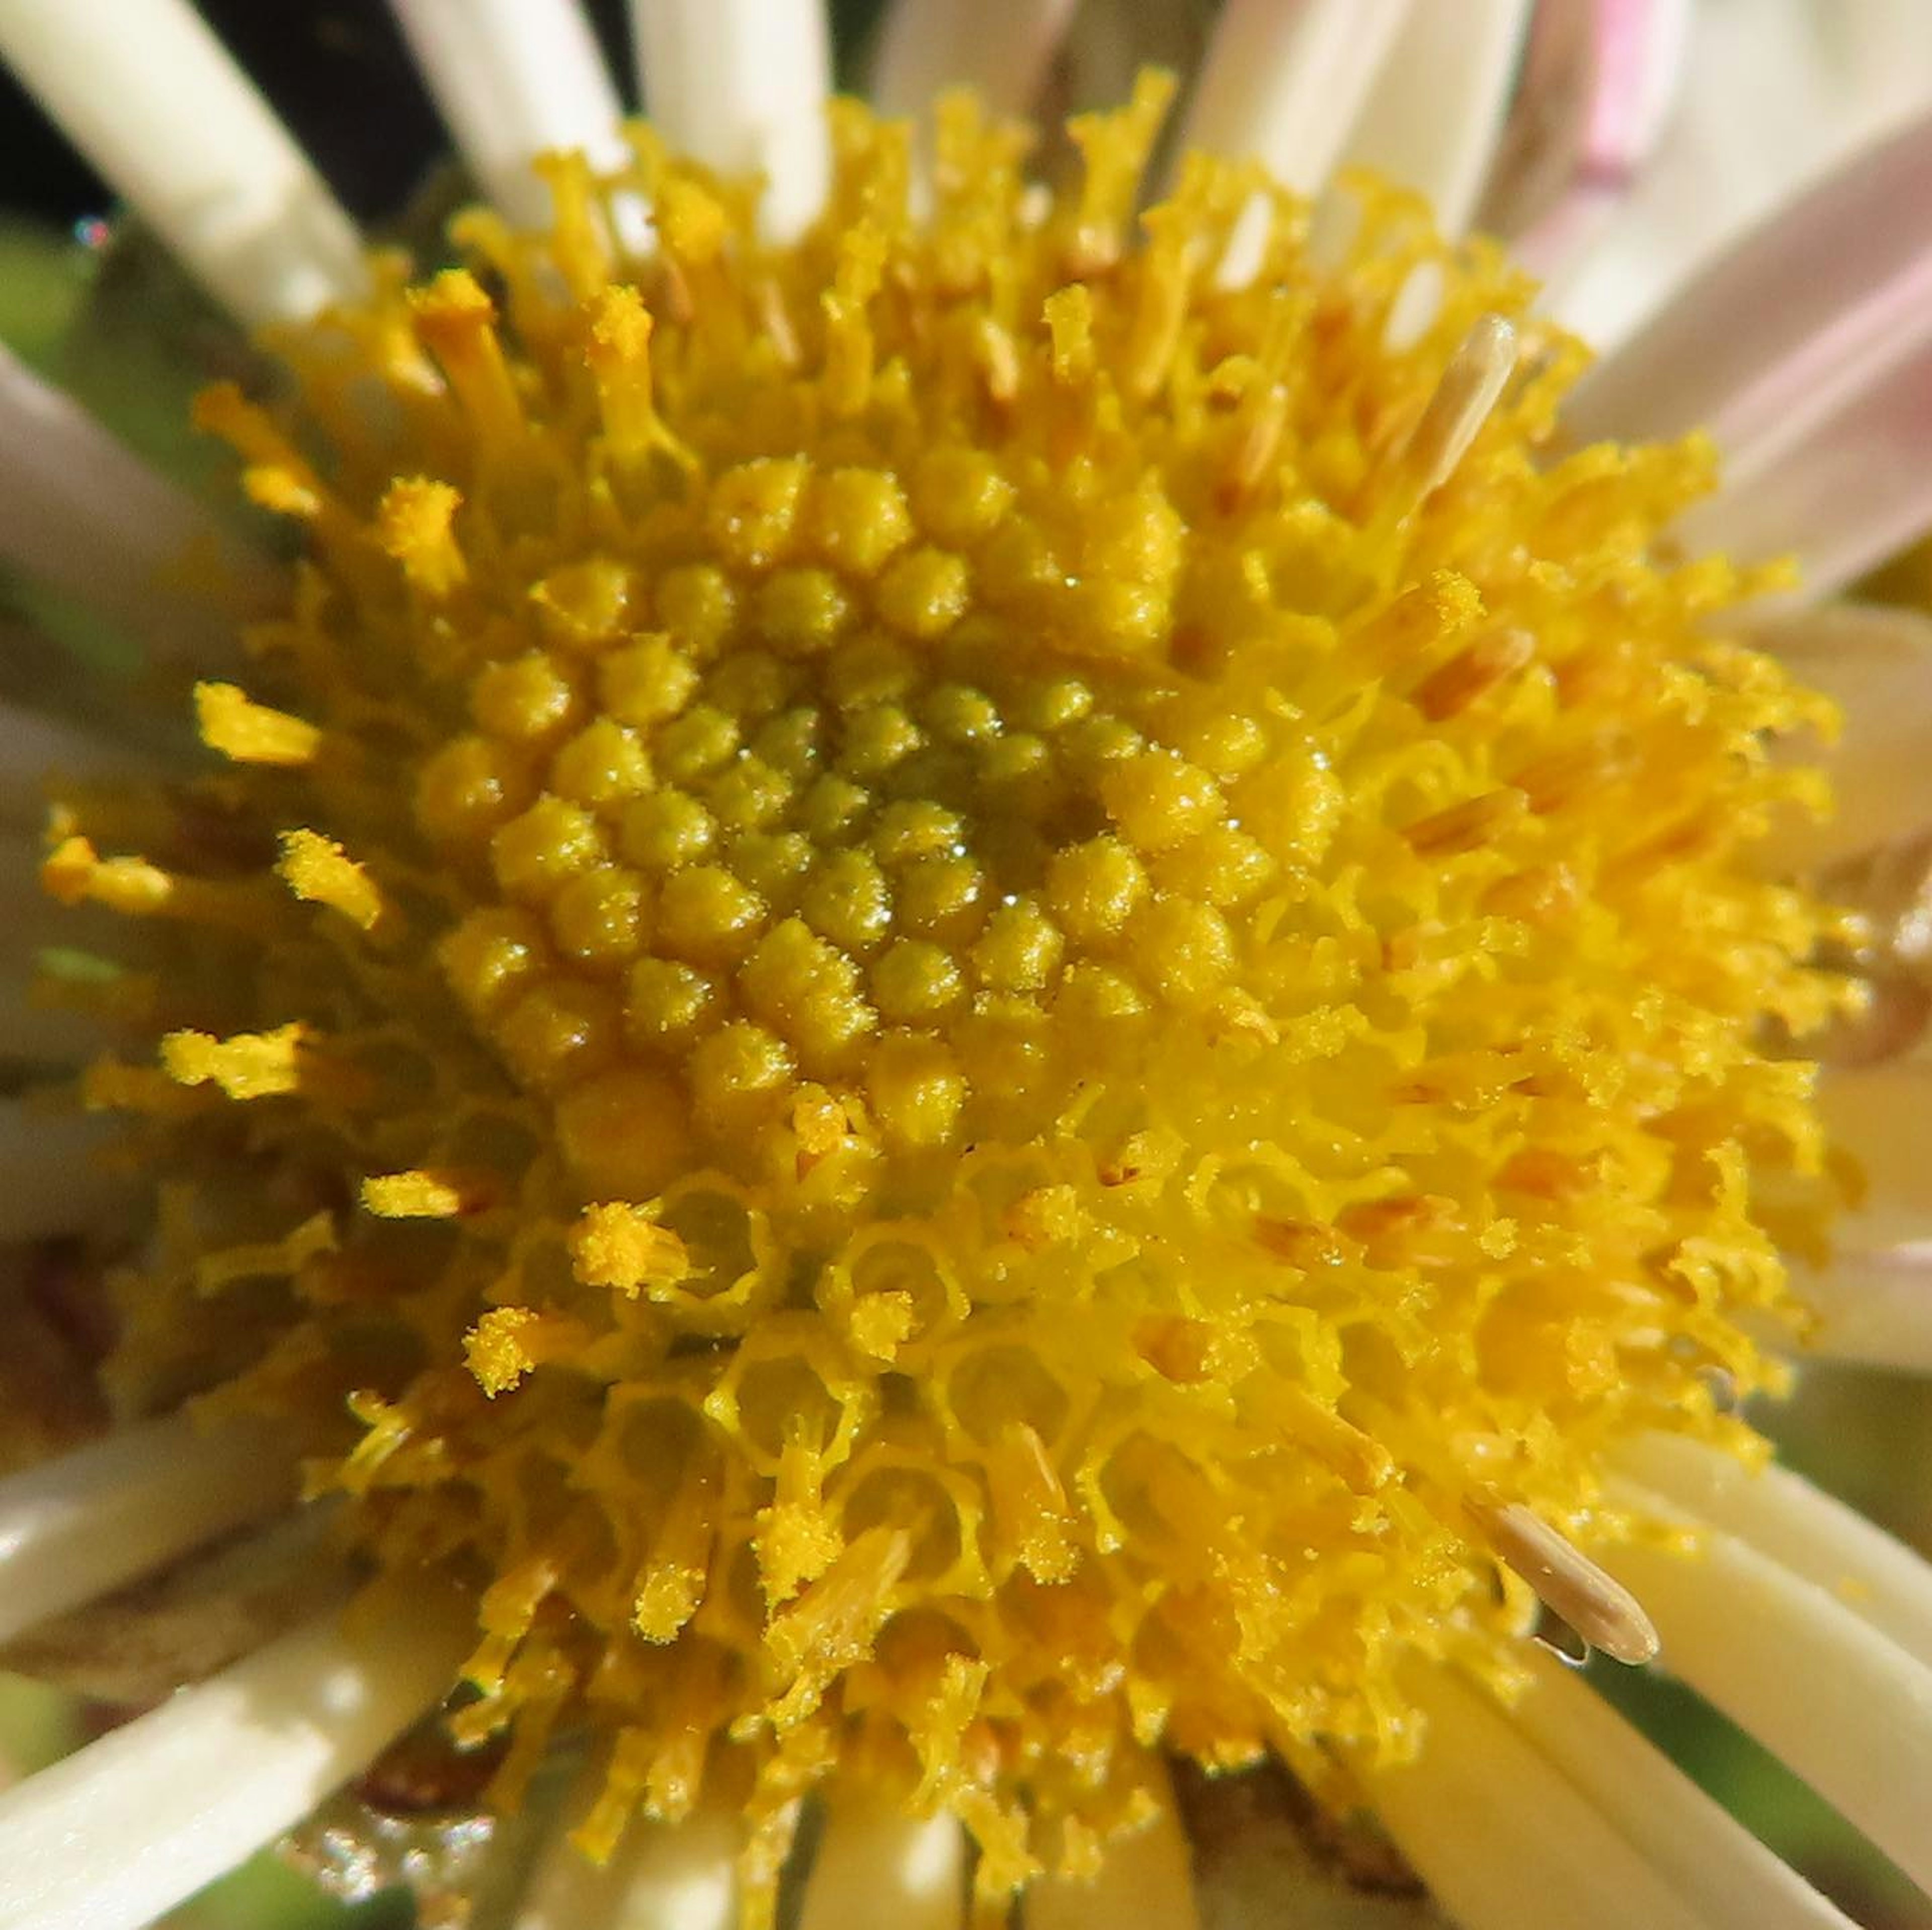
(961,1020)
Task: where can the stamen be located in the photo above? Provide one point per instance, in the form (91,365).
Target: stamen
(741,85)
(1470,387)
(77,1527)
(877,1865)
(1847,1708)
(185,1792)
(249,732)
(421,1195)
(318,870)
(415,524)
(513,78)
(148,94)
(1567,1583)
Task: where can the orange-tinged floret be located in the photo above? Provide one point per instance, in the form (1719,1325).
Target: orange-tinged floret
(952,1008)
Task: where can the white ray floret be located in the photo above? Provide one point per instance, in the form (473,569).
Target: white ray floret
(1781,1515)
(876,1863)
(1146,1879)
(1875,663)
(75,1528)
(150,96)
(1504,1840)
(52,1180)
(1806,349)
(1695,1843)
(1433,114)
(514,78)
(1843,1706)
(1877,1113)
(1002,48)
(82,515)
(1284,79)
(1874,1307)
(741,85)
(133,1824)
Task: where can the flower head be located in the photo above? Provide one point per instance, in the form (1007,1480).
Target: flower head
(954,999)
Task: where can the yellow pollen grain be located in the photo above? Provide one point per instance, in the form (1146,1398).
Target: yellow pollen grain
(1070,991)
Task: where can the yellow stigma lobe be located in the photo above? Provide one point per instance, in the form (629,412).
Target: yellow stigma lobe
(1054,976)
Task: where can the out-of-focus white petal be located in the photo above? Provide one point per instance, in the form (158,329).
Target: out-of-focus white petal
(1433,116)
(1002,48)
(1782,1515)
(147,93)
(1504,1840)
(1284,79)
(1845,1707)
(741,85)
(1875,664)
(136,1822)
(1873,1305)
(1146,1879)
(513,78)
(876,1864)
(1716,1864)
(1777,91)
(1882,1115)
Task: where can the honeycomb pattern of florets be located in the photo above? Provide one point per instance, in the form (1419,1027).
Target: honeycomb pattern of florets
(781,823)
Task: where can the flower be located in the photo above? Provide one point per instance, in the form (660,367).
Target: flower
(995,981)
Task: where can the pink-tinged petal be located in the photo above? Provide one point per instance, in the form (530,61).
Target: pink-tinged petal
(1875,664)
(1003,48)
(1774,94)
(1600,78)
(1806,351)
(1433,117)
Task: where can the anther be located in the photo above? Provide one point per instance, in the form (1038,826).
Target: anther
(1470,388)
(1568,1584)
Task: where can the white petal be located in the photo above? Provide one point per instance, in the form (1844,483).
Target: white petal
(34,747)
(1284,79)
(741,85)
(1881,1115)
(1146,1879)
(1875,664)
(1003,48)
(513,78)
(1780,1515)
(81,514)
(1777,92)
(1718,1864)
(1845,1707)
(76,1528)
(1433,116)
(137,1822)
(1503,1839)
(148,94)
(51,1179)
(876,1863)
(1873,1306)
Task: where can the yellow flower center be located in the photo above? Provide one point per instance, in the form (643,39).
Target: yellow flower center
(947,994)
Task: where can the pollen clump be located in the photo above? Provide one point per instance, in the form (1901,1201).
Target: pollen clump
(1002,979)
